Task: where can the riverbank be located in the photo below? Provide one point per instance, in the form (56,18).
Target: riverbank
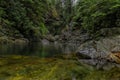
(12,40)
(77,42)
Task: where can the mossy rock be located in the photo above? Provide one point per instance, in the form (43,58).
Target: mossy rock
(5,40)
(8,40)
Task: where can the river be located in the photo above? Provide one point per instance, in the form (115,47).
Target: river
(47,62)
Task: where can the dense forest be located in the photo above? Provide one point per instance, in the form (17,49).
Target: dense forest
(34,19)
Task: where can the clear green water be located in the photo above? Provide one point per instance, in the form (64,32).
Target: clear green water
(36,62)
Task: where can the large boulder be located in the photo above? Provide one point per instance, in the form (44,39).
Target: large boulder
(101,48)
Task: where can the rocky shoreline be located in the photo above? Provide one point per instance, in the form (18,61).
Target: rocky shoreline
(95,50)
(12,40)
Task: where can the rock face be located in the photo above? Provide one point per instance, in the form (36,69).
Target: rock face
(73,38)
(101,48)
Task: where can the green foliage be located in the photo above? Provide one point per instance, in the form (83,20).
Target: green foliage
(34,18)
(25,16)
(98,14)
(59,15)
(43,29)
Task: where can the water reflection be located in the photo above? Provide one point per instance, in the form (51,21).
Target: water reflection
(35,49)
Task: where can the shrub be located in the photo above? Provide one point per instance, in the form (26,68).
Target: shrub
(98,14)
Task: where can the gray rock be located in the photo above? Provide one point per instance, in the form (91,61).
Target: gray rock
(101,48)
(21,41)
(45,42)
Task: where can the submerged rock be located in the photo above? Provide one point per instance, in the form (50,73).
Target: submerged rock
(100,63)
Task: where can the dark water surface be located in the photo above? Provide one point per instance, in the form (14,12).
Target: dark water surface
(35,49)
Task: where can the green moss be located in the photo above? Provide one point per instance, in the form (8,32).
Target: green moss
(34,68)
